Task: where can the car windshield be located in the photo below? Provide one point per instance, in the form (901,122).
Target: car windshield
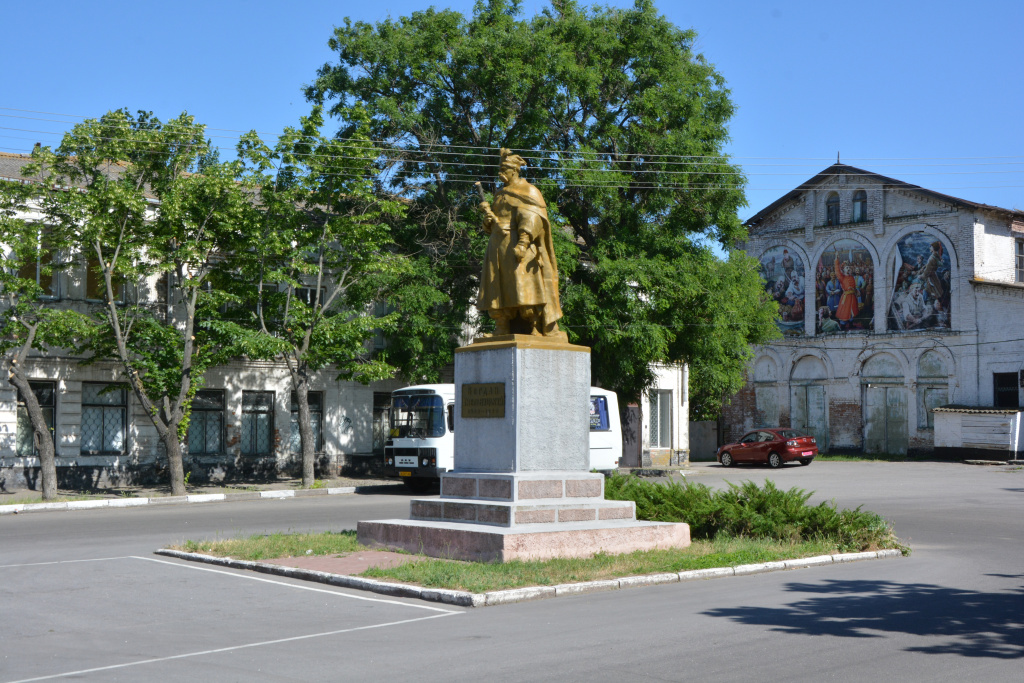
(417,417)
(791,434)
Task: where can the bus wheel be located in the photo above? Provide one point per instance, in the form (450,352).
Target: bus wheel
(418,485)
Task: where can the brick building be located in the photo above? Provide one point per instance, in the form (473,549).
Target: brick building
(894,300)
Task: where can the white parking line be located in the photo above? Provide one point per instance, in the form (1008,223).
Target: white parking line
(230,649)
(293,585)
(41,564)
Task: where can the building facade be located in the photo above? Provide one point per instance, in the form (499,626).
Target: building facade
(894,300)
(243,423)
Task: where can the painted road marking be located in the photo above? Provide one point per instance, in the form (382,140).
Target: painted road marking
(230,649)
(441,612)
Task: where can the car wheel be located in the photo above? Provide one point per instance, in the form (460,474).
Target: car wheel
(805,462)
(726,460)
(774,460)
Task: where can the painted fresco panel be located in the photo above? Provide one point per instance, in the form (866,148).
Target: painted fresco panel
(784,277)
(843,288)
(921,291)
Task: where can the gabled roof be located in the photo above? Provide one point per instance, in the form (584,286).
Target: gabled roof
(11,166)
(875,178)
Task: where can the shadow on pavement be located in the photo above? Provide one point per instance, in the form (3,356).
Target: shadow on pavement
(977,624)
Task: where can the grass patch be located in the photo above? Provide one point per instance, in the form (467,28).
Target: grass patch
(744,524)
(270,546)
(478,577)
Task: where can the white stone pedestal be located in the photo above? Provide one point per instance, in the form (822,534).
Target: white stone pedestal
(521,487)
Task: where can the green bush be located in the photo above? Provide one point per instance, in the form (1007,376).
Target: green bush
(749,511)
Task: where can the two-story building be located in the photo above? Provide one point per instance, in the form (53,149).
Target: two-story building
(243,423)
(894,301)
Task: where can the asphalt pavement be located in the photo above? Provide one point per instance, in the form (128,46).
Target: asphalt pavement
(84,598)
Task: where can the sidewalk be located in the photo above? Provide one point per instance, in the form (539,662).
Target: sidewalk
(134,496)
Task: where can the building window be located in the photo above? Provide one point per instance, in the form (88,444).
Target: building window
(40,269)
(96,286)
(104,419)
(931,398)
(206,424)
(257,422)
(308,296)
(1020,260)
(860,206)
(832,209)
(661,419)
(46,396)
(1005,386)
(380,309)
(316,418)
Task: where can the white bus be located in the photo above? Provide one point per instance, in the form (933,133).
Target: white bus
(421,442)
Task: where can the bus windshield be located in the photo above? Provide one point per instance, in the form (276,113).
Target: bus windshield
(417,417)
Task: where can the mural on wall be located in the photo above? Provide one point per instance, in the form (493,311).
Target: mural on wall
(843,288)
(784,276)
(921,284)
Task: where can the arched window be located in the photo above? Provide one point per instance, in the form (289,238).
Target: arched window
(860,206)
(832,209)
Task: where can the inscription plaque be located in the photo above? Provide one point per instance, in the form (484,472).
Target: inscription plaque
(483,400)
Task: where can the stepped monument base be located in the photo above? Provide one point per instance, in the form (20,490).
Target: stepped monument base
(521,487)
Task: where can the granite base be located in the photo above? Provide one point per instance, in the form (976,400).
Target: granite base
(475,542)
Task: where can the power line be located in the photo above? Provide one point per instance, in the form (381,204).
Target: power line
(490,150)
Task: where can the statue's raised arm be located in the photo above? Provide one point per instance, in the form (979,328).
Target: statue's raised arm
(519,288)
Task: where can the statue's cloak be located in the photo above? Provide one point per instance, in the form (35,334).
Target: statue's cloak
(508,283)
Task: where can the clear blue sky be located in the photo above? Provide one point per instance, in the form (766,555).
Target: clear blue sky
(927,92)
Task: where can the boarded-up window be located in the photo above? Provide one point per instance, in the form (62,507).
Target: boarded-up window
(932,388)
(808,411)
(884,406)
(767,403)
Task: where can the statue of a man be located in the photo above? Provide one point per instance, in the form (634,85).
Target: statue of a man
(519,288)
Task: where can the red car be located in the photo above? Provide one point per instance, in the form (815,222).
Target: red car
(771,445)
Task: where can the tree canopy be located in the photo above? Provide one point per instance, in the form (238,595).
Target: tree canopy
(305,279)
(623,127)
(141,205)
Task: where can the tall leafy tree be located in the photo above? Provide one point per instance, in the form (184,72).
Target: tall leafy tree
(623,125)
(321,256)
(33,261)
(141,201)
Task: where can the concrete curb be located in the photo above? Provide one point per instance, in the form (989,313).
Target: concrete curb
(177,500)
(467,599)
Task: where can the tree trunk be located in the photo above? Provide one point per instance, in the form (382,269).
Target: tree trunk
(177,471)
(41,435)
(306,436)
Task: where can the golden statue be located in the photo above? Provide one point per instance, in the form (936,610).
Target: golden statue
(519,288)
